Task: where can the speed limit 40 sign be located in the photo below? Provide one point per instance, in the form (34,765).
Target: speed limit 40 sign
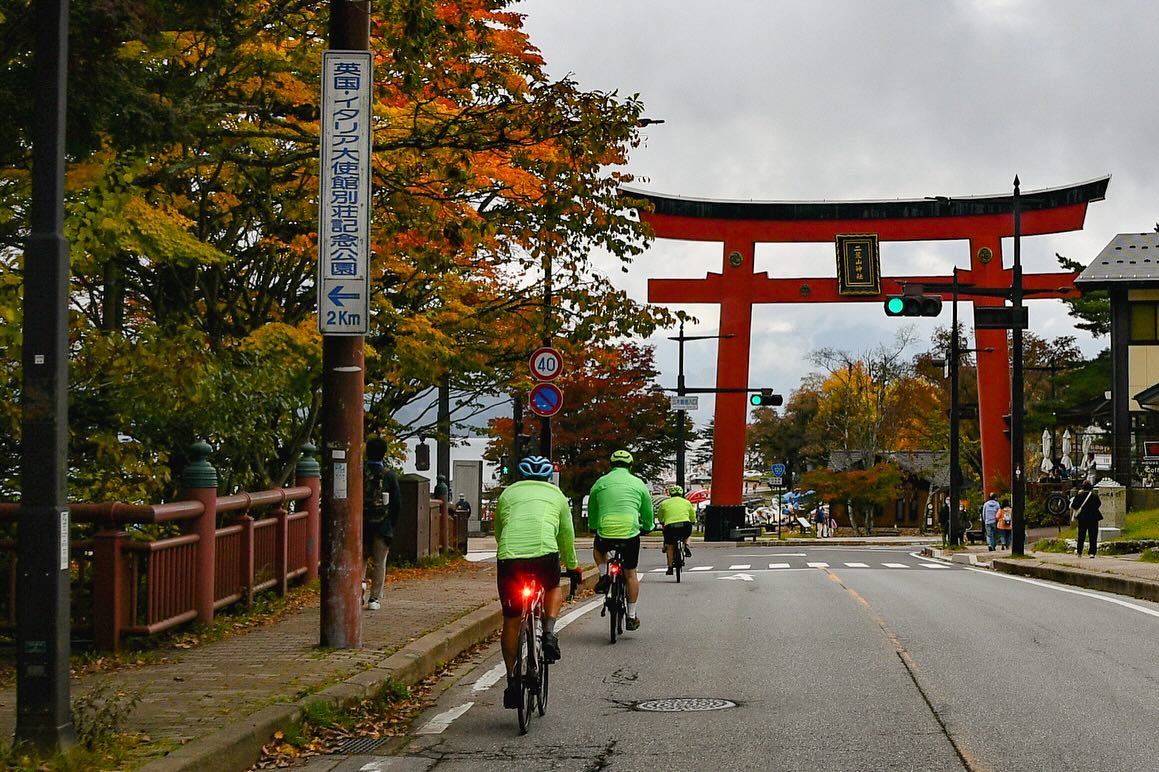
(546,363)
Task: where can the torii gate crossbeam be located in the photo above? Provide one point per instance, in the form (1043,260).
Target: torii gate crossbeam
(983,221)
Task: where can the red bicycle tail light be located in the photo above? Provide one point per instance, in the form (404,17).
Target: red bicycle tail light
(613,568)
(527,590)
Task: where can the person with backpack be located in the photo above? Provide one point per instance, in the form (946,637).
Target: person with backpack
(381,502)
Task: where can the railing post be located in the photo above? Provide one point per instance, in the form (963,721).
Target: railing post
(282,549)
(247,556)
(200,481)
(108,589)
(309,475)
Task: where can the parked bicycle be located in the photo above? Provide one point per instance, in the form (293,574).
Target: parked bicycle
(531,666)
(616,594)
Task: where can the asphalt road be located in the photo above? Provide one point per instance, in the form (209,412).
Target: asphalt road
(820,659)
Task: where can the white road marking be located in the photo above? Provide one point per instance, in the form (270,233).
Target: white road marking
(778,565)
(439,723)
(1071,590)
(857,565)
(742,577)
(740,567)
(701,568)
(817,565)
(895,565)
(932,565)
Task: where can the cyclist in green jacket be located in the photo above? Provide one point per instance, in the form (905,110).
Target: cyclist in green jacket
(534,533)
(619,508)
(677,516)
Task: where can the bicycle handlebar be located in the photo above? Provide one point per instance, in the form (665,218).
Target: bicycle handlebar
(575,577)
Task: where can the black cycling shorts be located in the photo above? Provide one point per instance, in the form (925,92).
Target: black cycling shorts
(677,532)
(515,572)
(629,549)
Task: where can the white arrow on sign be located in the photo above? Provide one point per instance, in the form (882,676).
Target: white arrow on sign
(742,577)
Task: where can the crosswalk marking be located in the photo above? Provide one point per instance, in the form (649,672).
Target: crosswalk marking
(740,567)
(817,565)
(778,565)
(932,565)
(701,568)
(895,565)
(857,565)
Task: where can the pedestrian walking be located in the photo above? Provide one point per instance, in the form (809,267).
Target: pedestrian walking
(1005,523)
(1085,511)
(990,509)
(381,504)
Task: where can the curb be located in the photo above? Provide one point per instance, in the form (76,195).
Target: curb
(1119,585)
(239,747)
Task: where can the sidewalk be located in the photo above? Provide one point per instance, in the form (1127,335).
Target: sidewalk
(214,706)
(1118,574)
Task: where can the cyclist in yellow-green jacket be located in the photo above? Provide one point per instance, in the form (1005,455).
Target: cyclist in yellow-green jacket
(619,508)
(677,516)
(534,533)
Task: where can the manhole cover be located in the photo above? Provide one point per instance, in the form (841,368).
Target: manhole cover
(684,704)
(359,745)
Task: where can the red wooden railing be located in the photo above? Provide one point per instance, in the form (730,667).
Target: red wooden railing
(125,586)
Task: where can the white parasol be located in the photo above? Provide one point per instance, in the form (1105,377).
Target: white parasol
(1047,459)
(1089,437)
(1067,463)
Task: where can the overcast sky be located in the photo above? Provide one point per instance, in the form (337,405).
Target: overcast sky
(849,99)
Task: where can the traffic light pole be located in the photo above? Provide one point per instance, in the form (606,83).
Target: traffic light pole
(681,390)
(955,417)
(1017,446)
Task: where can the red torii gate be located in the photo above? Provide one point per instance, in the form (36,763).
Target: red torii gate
(982,220)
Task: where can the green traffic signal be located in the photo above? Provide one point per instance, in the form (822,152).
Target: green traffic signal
(765,398)
(913,305)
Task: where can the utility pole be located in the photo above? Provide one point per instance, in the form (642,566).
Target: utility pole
(545,421)
(43,628)
(343,386)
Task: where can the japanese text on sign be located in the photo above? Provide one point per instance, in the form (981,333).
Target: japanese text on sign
(344,197)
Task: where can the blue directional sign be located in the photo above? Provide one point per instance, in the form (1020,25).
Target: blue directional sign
(345,171)
(546,399)
(778,470)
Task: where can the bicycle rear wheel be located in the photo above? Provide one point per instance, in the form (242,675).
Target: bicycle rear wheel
(525,669)
(544,670)
(616,606)
(678,561)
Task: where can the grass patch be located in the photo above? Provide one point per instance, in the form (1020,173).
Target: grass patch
(1142,524)
(1150,555)
(1052,545)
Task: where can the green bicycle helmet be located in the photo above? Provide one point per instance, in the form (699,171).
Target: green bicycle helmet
(675,490)
(622,457)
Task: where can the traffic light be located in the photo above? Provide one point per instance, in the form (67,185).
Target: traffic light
(765,398)
(913,305)
(422,457)
(504,466)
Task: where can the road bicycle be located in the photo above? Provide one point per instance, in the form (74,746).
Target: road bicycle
(532,668)
(677,559)
(616,594)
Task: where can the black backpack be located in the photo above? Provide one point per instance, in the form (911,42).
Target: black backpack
(374,493)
